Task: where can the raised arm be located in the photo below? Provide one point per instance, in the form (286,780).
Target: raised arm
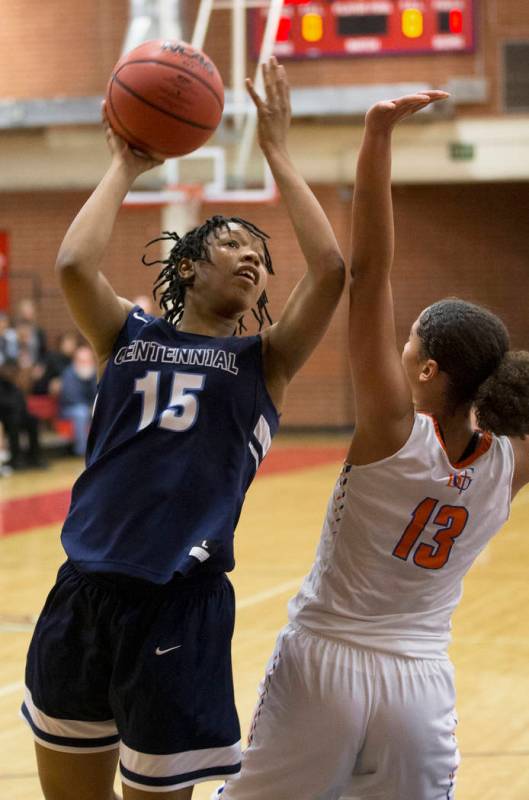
(309,309)
(96,309)
(384,408)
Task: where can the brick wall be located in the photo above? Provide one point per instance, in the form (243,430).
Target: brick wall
(59,47)
(468,241)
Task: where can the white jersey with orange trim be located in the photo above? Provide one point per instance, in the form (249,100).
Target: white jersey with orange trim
(398,538)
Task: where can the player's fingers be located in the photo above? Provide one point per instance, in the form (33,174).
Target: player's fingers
(429,98)
(414,109)
(272,65)
(426,97)
(437,94)
(282,75)
(269,80)
(411,99)
(115,141)
(405,107)
(277,83)
(253,94)
(283,89)
(140,153)
(153,159)
(156,160)
(110,135)
(409,110)
(433,97)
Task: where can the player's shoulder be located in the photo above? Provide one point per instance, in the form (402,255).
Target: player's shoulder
(137,319)
(127,305)
(423,433)
(138,314)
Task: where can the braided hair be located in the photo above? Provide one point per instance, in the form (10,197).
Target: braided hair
(170,288)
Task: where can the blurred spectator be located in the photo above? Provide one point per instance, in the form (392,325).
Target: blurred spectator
(77,395)
(27,357)
(47,375)
(8,339)
(145,302)
(27,352)
(26,312)
(17,422)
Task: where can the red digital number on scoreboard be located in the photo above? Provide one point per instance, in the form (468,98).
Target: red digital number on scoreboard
(309,29)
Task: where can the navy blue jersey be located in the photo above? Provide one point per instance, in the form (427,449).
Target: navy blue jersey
(181,423)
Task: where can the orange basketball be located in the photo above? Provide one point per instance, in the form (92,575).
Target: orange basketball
(165,97)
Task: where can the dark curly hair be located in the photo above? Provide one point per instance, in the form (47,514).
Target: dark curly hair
(170,288)
(502,400)
(471,345)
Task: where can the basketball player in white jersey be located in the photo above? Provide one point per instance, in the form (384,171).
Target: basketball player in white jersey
(358,699)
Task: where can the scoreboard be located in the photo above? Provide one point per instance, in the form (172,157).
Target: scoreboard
(330,28)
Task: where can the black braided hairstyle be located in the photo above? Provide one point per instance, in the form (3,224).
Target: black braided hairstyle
(170,288)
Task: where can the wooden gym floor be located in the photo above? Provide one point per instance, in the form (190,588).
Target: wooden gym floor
(276,540)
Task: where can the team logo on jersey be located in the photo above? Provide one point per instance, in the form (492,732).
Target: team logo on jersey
(461,480)
(203,550)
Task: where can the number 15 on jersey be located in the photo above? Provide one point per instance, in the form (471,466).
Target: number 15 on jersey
(182,411)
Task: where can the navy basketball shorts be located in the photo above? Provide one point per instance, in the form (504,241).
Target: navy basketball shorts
(119,662)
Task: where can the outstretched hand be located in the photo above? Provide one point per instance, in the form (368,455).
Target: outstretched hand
(274,112)
(135,161)
(385,115)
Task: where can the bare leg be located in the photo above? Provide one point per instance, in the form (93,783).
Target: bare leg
(136,794)
(77,776)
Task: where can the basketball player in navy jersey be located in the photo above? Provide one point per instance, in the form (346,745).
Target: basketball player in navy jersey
(358,701)
(131,654)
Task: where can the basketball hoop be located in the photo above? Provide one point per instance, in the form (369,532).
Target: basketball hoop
(173,194)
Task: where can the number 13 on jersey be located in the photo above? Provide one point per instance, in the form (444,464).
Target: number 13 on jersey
(451,521)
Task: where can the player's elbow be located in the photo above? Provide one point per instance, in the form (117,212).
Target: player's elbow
(336,277)
(337,265)
(367,265)
(64,262)
(68,263)
(332,271)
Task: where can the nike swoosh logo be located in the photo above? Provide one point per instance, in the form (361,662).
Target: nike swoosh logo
(139,316)
(162,652)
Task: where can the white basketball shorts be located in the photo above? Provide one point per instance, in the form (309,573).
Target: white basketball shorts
(333,721)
